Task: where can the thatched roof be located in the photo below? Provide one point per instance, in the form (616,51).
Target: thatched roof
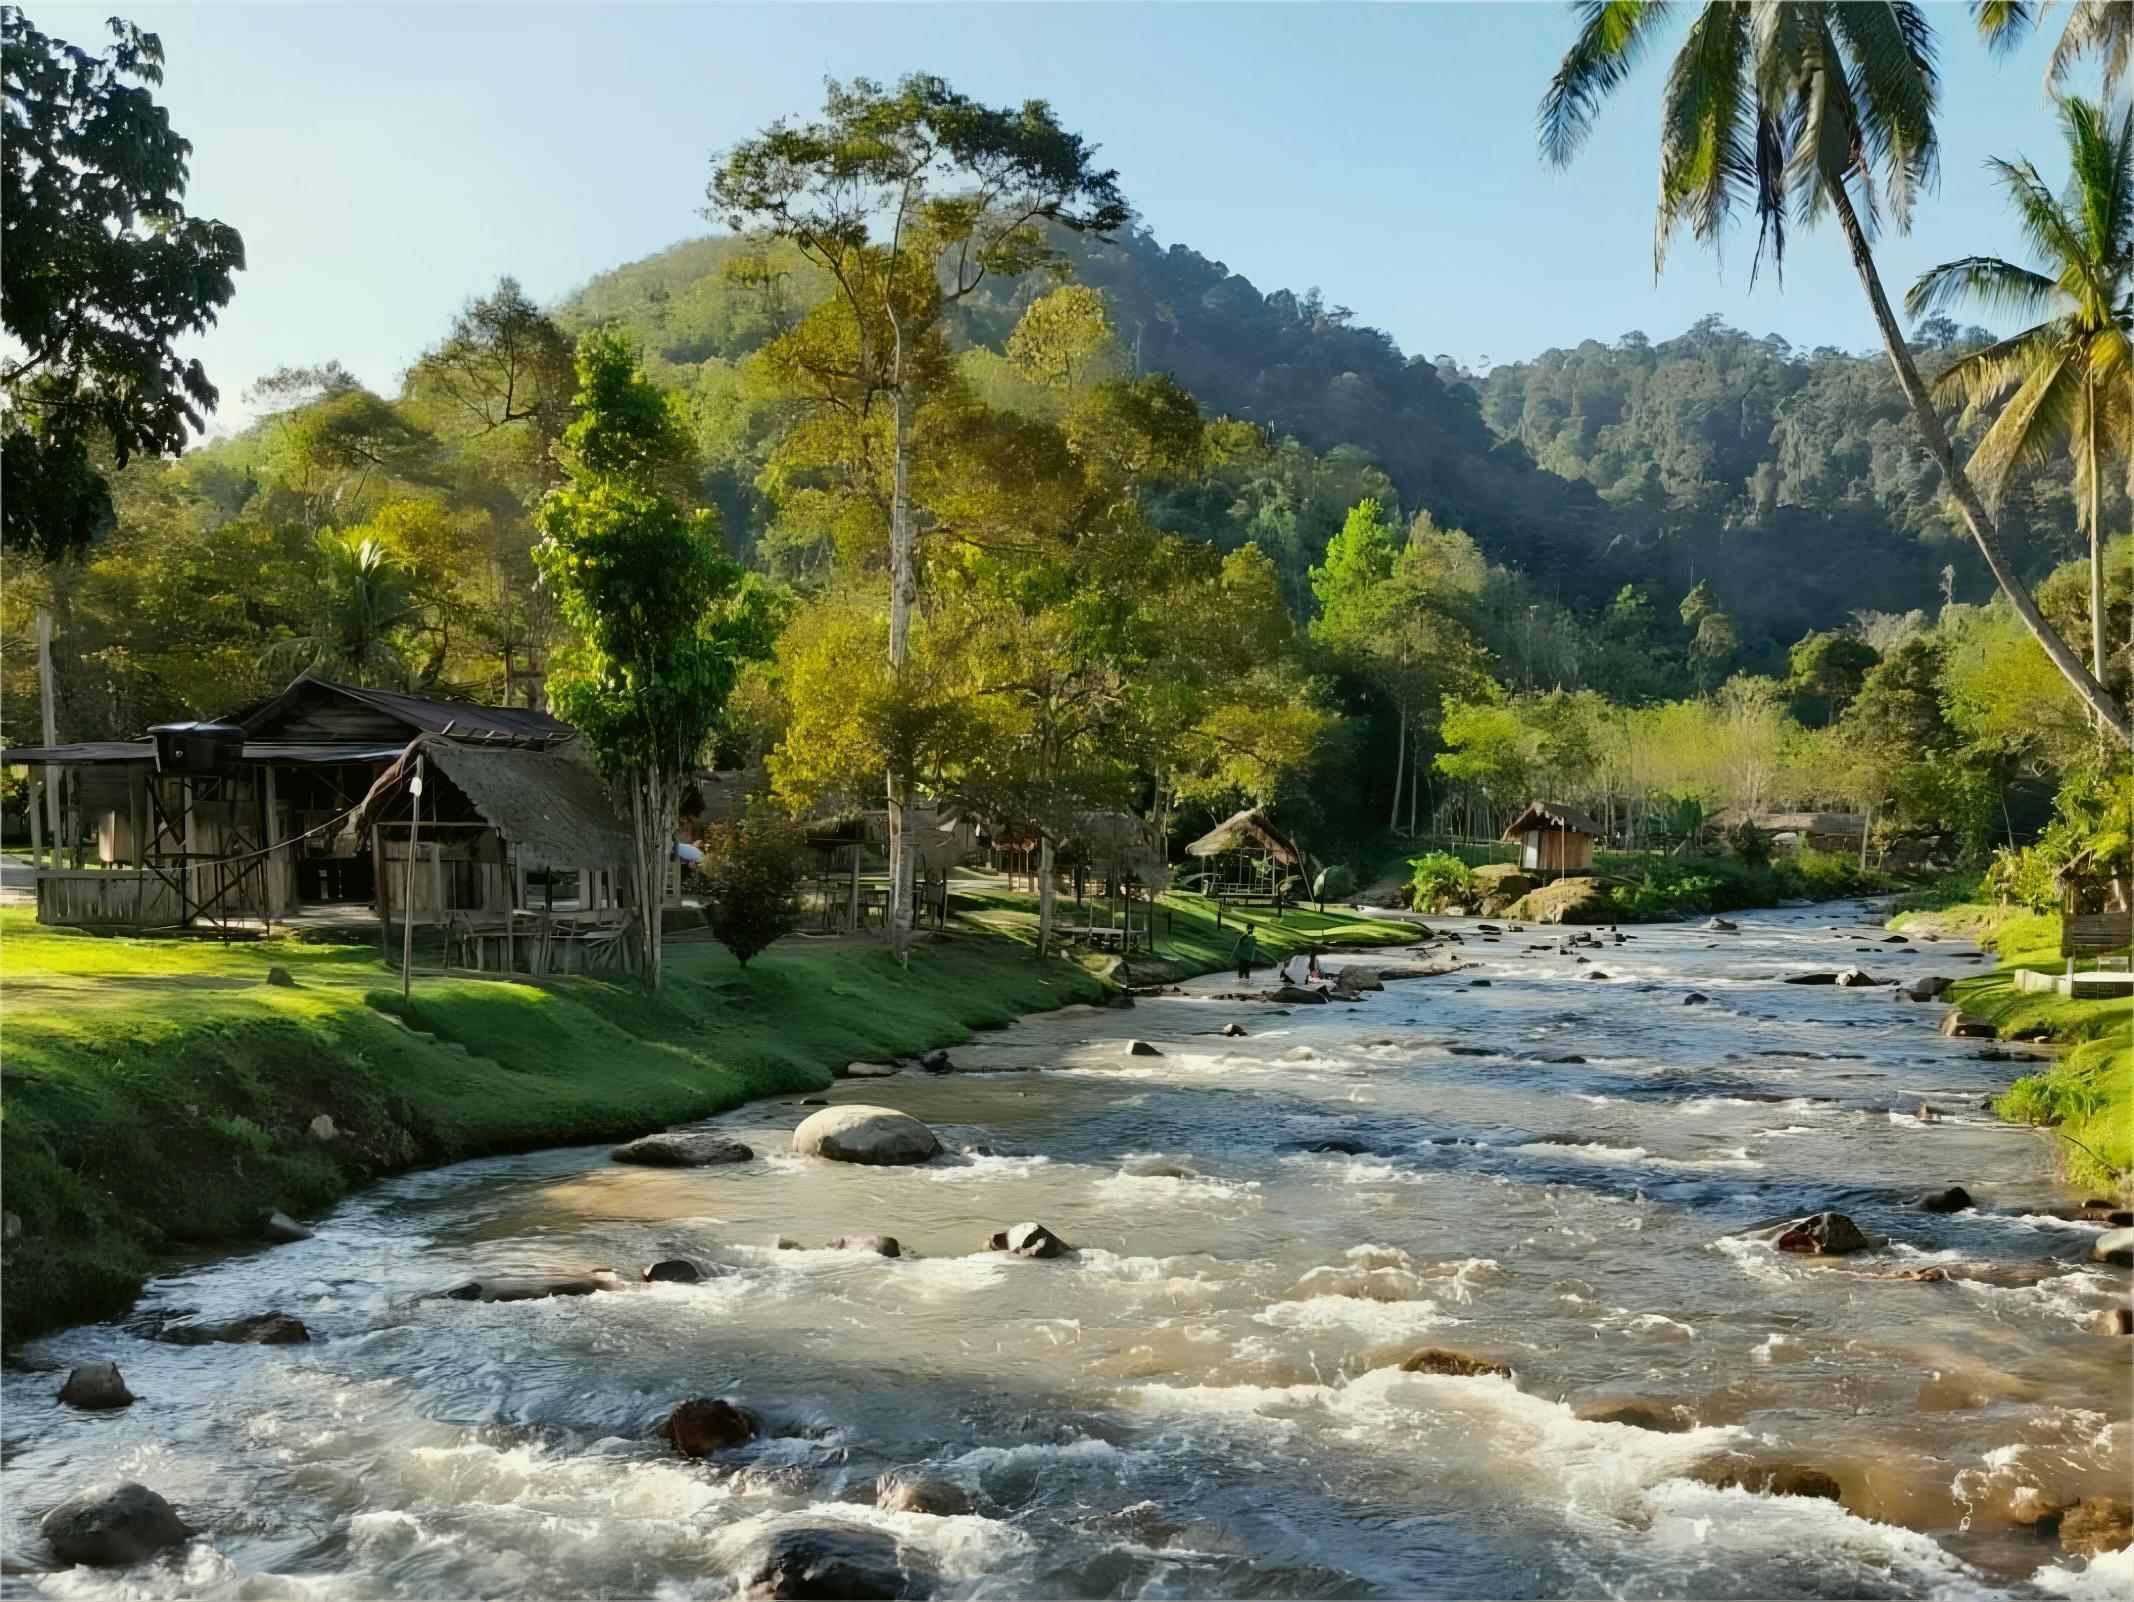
(551,804)
(1246,831)
(1552,815)
(1119,841)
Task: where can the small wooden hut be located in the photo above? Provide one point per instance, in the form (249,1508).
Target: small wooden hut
(1554,838)
(1250,862)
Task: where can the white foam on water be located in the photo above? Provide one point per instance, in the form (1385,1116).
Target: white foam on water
(2077,1297)
(2105,1578)
(1380,1320)
(1693,1525)
(1635,1156)
(966,1166)
(1660,1324)
(1167,1190)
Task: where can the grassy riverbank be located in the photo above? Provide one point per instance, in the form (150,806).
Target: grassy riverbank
(2088,1093)
(162,1093)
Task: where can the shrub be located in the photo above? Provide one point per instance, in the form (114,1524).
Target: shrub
(753,871)
(1441,880)
(1750,844)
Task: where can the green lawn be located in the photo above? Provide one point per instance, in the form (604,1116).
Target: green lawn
(2088,1093)
(160,1092)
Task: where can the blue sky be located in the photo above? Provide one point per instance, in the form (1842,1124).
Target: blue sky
(384,160)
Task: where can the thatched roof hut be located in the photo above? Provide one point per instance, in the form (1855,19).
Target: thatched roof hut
(1552,815)
(1554,838)
(550,805)
(1248,830)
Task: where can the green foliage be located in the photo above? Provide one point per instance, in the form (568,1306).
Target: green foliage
(1335,882)
(104,273)
(1437,880)
(1749,844)
(1659,888)
(752,870)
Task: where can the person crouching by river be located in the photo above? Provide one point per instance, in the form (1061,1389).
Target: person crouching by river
(1246,953)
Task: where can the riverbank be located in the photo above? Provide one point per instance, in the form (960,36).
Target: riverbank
(162,1094)
(2087,1095)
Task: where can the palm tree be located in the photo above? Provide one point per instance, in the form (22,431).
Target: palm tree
(1803,108)
(364,599)
(2068,379)
(2094,28)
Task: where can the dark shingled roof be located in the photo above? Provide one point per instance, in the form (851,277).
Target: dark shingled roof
(423,714)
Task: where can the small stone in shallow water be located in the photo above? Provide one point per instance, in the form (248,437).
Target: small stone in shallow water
(1339,1146)
(1232,1031)
(2096,1525)
(1696,998)
(2115,1246)
(857,1133)
(282,1229)
(2116,1321)
(673,1271)
(1955,1199)
(1141,1048)
(899,1492)
(1662,1417)
(704,1425)
(1028,1240)
(1768,1479)
(96,1386)
(880,1245)
(1825,1235)
(682,1150)
(830,1561)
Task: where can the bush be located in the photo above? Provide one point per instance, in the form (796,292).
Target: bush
(1439,880)
(753,872)
(1750,844)
(1333,883)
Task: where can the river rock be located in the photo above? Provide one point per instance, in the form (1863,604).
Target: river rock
(1824,1235)
(1955,1199)
(1927,986)
(1295,995)
(672,1271)
(1232,1031)
(524,1287)
(1356,977)
(858,1133)
(1963,1026)
(837,1560)
(2116,1321)
(2030,1506)
(1418,970)
(682,1149)
(1767,1479)
(261,1329)
(704,1425)
(113,1527)
(2096,1525)
(2093,1211)
(1859,979)
(95,1387)
(1663,1417)
(1341,1146)
(1810,979)
(281,977)
(1440,1360)
(1141,1048)
(880,1245)
(1718,926)
(1696,998)
(282,1229)
(867,1070)
(900,1492)
(929,1062)
(322,1128)
(2115,1246)
(1028,1240)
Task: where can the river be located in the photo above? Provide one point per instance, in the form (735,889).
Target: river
(1203,1399)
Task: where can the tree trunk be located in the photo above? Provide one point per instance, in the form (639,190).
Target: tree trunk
(1936,438)
(1400,752)
(903,588)
(2096,520)
(1044,894)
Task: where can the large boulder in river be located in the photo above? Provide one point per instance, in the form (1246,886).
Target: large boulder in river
(113,1527)
(705,1424)
(1439,1360)
(1824,1235)
(1357,977)
(672,1271)
(1665,1418)
(1768,1479)
(834,1560)
(2114,1246)
(1583,900)
(899,1492)
(858,1133)
(2097,1525)
(682,1149)
(261,1329)
(1295,995)
(1955,1199)
(95,1387)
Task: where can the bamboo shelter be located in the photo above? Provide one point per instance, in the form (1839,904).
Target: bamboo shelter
(1250,863)
(1554,838)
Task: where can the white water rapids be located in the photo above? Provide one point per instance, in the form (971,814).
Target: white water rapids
(1203,1401)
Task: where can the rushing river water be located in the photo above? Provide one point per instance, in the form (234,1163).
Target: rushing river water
(1203,1401)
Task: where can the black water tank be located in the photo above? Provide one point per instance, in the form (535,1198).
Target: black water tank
(204,748)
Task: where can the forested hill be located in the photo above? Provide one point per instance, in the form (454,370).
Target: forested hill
(1790,480)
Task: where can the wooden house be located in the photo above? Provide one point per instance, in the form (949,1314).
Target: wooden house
(1554,838)
(1249,862)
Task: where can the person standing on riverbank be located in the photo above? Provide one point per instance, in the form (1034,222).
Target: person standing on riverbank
(1246,953)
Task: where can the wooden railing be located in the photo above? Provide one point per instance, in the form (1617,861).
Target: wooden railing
(106,898)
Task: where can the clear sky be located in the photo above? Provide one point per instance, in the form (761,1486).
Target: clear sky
(384,161)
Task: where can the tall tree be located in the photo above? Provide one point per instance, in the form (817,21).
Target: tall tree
(101,271)
(362,607)
(2102,28)
(1806,109)
(663,621)
(910,198)
(2066,381)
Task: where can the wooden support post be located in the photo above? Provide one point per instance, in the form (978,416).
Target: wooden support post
(407,910)
(852,896)
(380,881)
(51,721)
(37,822)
